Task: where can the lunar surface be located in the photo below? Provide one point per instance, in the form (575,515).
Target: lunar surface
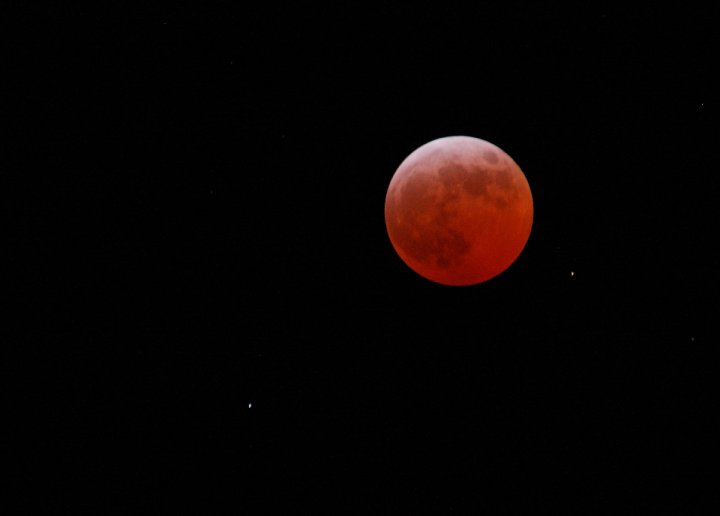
(458,210)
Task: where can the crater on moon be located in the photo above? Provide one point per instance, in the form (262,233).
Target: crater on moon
(490,156)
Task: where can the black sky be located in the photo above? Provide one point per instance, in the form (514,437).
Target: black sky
(208,311)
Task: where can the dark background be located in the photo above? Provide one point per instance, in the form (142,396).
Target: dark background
(207,311)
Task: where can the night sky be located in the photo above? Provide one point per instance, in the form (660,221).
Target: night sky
(207,311)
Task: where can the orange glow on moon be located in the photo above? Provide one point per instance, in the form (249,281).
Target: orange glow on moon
(458,211)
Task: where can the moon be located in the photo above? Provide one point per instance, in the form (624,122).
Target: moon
(458,211)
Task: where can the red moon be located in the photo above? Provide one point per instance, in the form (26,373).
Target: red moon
(458,211)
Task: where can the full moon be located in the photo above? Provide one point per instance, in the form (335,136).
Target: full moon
(458,211)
